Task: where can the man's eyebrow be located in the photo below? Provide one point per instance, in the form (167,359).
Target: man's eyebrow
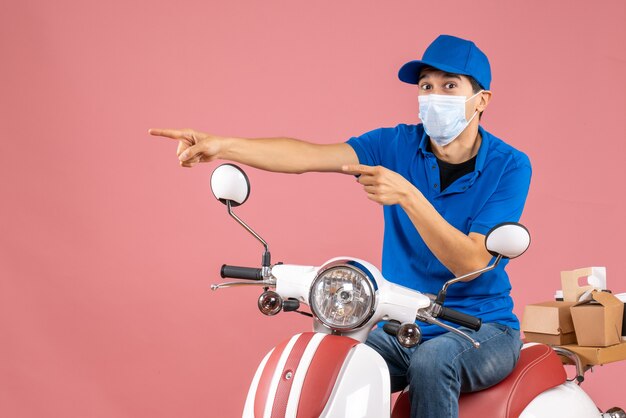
(445,75)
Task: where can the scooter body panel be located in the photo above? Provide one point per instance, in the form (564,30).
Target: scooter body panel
(362,389)
(248,409)
(328,376)
(566,400)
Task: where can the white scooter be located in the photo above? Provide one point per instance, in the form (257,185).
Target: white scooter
(331,373)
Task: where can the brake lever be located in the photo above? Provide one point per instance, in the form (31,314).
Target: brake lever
(262,283)
(426,317)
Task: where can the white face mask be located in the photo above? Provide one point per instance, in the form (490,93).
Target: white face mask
(443,116)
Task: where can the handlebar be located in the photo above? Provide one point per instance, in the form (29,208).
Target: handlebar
(237,272)
(391,327)
(460,318)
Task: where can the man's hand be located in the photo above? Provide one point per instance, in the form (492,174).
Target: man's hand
(193,147)
(381,184)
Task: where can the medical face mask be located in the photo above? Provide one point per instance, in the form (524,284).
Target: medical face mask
(443,116)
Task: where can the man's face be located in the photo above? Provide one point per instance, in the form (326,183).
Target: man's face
(432,81)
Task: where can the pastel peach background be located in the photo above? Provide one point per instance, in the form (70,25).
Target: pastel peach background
(108,247)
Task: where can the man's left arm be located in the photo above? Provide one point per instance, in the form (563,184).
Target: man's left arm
(460,253)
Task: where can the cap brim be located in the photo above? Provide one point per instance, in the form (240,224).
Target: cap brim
(410,72)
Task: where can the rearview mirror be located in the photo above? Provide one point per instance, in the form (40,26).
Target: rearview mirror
(230,183)
(510,240)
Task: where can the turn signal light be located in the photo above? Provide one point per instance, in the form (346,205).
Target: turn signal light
(270,303)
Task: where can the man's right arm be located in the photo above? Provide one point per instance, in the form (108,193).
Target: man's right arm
(284,155)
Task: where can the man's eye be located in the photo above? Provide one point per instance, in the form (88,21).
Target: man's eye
(425,87)
(450,85)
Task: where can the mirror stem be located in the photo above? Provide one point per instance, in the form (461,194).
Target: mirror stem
(266,253)
(441,297)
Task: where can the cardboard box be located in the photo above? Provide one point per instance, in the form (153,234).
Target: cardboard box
(598,321)
(595,278)
(624,322)
(593,356)
(550,339)
(622,297)
(549,323)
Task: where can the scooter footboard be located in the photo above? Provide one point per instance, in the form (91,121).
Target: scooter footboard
(319,375)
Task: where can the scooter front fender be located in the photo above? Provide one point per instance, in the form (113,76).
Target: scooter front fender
(320,375)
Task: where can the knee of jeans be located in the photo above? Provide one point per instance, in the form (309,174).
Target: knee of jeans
(376,339)
(428,364)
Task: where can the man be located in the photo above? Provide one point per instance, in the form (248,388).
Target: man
(443,183)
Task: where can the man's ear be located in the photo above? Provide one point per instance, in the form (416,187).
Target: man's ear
(485,98)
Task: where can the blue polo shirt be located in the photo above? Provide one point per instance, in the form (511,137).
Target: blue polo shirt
(494,192)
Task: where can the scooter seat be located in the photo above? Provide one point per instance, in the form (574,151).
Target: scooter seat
(538,369)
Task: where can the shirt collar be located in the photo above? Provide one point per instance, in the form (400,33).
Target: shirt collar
(481,157)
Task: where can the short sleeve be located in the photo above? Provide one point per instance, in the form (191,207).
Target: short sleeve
(507,202)
(368,147)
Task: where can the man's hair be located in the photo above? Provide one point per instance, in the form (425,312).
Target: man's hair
(475,89)
(475,86)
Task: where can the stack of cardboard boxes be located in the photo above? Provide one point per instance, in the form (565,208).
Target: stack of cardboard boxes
(588,321)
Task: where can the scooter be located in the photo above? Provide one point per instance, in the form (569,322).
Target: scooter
(330,372)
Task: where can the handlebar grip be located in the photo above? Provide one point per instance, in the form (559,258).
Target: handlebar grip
(236,272)
(391,328)
(460,318)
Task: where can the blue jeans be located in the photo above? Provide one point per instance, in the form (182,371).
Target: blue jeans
(439,370)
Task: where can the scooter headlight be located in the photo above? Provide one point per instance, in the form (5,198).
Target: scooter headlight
(342,296)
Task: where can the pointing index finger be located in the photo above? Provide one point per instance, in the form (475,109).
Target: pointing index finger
(357,169)
(168,133)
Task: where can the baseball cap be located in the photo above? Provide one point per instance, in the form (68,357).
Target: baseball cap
(453,55)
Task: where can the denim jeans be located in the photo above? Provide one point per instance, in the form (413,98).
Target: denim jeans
(439,370)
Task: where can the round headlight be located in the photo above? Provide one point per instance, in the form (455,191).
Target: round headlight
(342,297)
